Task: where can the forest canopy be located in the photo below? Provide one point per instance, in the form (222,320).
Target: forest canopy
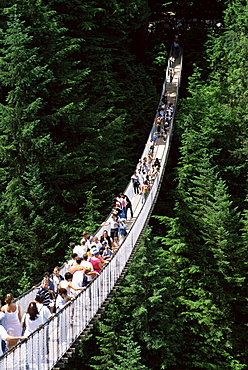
(78,92)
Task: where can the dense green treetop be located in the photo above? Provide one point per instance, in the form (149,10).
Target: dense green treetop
(68,121)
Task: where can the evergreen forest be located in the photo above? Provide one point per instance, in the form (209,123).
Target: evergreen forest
(80,82)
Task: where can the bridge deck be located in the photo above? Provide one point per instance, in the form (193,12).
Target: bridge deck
(48,344)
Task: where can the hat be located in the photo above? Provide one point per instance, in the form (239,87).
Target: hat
(95,253)
(104,242)
(87,269)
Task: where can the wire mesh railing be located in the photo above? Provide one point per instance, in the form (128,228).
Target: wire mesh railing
(45,346)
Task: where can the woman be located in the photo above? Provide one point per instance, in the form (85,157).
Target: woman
(13,318)
(31,320)
(106,238)
(96,262)
(165,97)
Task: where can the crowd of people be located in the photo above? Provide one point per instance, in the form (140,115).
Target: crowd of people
(55,290)
(87,260)
(89,257)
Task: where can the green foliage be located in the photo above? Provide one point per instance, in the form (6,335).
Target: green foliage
(137,330)
(68,121)
(128,357)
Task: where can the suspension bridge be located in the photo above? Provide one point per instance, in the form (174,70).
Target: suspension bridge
(50,346)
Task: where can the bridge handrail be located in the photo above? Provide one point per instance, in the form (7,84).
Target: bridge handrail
(29,296)
(48,343)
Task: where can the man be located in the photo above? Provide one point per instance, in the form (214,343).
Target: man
(140,178)
(43,310)
(71,262)
(79,279)
(114,226)
(129,205)
(44,290)
(107,254)
(77,267)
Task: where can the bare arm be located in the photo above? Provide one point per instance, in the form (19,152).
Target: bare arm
(72,287)
(11,338)
(92,273)
(105,224)
(19,313)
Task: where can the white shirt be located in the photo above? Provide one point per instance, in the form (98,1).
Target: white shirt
(60,302)
(3,336)
(80,250)
(56,280)
(77,280)
(64,284)
(141,178)
(44,312)
(31,325)
(70,263)
(89,265)
(113,224)
(98,245)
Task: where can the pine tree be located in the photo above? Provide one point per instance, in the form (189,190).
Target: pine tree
(143,304)
(128,356)
(202,260)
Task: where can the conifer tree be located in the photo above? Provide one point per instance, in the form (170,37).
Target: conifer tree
(144,304)
(128,357)
(202,260)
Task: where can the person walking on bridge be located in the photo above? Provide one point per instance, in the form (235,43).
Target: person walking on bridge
(114,226)
(145,191)
(136,184)
(13,319)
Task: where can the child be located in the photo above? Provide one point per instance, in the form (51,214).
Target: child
(62,298)
(107,253)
